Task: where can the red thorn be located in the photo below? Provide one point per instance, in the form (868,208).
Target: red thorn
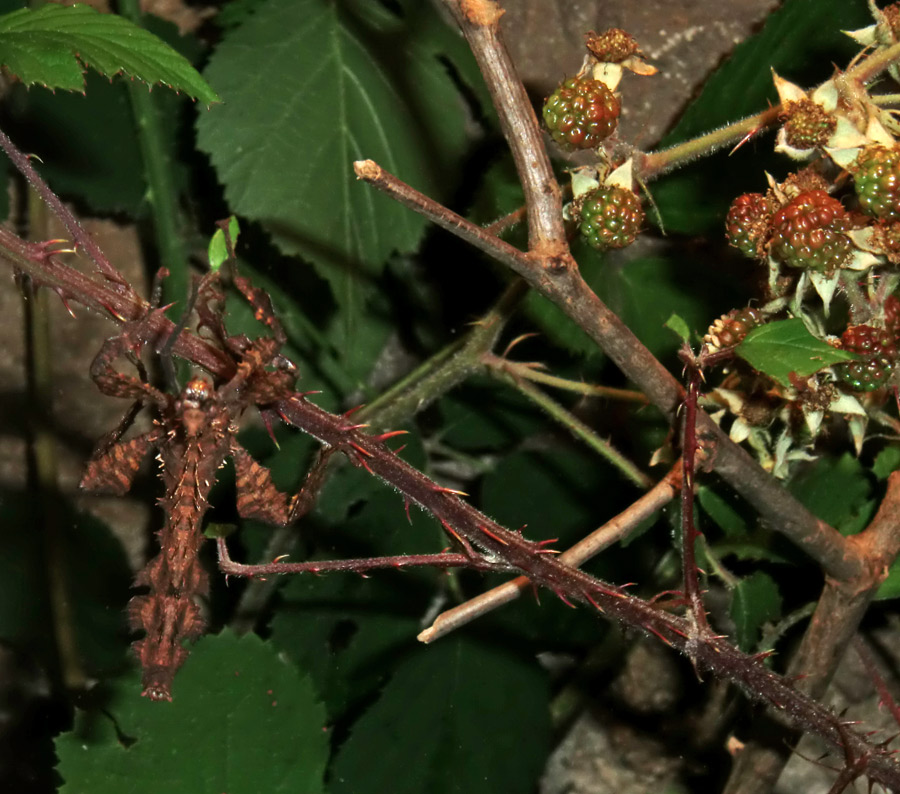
(561,597)
(267,421)
(406,508)
(385,436)
(361,450)
(398,450)
(594,604)
(494,536)
(442,489)
(362,462)
(348,428)
(113,312)
(453,532)
(664,639)
(65,303)
(352,410)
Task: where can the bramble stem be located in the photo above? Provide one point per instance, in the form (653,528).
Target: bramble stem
(530,371)
(655,164)
(586,549)
(362,565)
(579,429)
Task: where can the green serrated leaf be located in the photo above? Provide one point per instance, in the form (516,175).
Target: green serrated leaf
(786,346)
(887,461)
(308,89)
(242,721)
(474,718)
(52,46)
(838,491)
(755,601)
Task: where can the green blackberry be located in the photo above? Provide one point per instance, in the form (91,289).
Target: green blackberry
(581,113)
(806,233)
(807,124)
(878,352)
(747,224)
(876,176)
(610,217)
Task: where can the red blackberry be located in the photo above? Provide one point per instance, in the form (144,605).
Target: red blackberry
(876,176)
(747,224)
(610,217)
(892,317)
(806,233)
(581,113)
(878,350)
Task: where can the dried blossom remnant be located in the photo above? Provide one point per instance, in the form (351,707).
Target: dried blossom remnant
(194,434)
(611,46)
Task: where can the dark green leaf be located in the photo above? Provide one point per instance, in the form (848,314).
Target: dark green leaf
(887,461)
(755,601)
(646,291)
(346,631)
(678,326)
(890,587)
(330,89)
(95,577)
(723,510)
(53,44)
(242,721)
(786,346)
(457,717)
(838,491)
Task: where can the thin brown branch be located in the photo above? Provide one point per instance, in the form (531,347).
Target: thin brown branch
(79,234)
(689,533)
(479,21)
(589,547)
(362,565)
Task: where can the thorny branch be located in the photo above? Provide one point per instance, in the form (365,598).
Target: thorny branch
(854,566)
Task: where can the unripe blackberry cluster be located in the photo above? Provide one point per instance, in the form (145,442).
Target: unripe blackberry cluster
(581,113)
(807,233)
(730,329)
(747,224)
(807,124)
(876,177)
(878,350)
(610,217)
